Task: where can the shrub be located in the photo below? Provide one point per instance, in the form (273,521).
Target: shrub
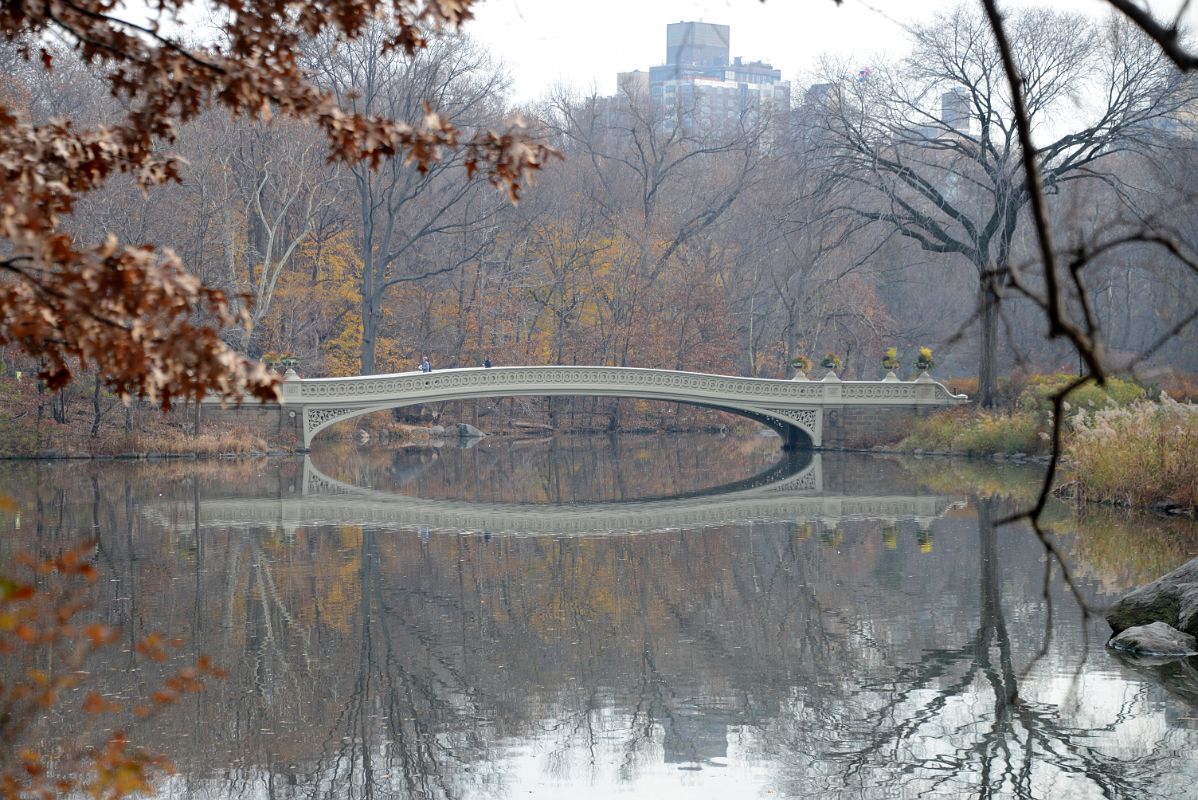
(1140,455)
(978,432)
(1038,392)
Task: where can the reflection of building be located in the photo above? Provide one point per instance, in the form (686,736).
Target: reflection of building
(695,736)
(700,87)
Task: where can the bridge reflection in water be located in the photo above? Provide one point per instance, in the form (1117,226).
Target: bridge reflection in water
(791,490)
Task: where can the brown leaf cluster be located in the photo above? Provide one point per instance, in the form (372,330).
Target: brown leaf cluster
(46,650)
(134,312)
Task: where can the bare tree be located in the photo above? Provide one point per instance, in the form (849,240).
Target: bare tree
(934,143)
(283,181)
(402,208)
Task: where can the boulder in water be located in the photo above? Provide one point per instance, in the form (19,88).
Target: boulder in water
(1171,598)
(1157,639)
(468,431)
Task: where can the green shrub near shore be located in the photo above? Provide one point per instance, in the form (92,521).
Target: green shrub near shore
(1142,455)
(1038,391)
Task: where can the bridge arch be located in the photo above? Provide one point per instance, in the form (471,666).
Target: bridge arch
(800,428)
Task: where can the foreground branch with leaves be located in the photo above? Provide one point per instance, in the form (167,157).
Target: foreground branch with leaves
(46,646)
(134,312)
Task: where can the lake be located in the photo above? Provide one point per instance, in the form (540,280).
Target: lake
(684,616)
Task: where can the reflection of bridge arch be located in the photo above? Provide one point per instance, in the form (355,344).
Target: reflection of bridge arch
(793,472)
(324,501)
(794,408)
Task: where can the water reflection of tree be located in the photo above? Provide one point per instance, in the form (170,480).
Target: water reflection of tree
(369,664)
(559,469)
(991,752)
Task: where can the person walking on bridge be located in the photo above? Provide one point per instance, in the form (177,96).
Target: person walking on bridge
(425,366)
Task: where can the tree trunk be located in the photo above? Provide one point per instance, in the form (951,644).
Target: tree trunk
(58,407)
(96,408)
(987,347)
(368,331)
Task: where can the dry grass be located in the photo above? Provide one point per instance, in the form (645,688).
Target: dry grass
(972,432)
(1024,424)
(23,435)
(1143,455)
(232,441)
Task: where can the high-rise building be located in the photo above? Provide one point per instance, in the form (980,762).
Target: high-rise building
(700,87)
(697,45)
(954,109)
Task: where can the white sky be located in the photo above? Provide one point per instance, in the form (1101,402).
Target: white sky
(584,43)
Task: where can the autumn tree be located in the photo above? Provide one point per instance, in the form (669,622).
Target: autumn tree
(658,182)
(403,209)
(132,310)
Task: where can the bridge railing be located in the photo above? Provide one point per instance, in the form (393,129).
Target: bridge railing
(602,380)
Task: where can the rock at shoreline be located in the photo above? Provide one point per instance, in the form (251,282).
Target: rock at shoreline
(468,431)
(1171,598)
(1157,639)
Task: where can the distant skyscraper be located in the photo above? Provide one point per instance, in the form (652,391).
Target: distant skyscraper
(697,45)
(954,109)
(701,87)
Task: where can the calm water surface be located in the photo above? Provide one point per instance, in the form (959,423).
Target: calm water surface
(648,617)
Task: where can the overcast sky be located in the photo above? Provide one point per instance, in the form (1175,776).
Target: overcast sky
(584,43)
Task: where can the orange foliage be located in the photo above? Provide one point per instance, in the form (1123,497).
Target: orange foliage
(130,310)
(46,649)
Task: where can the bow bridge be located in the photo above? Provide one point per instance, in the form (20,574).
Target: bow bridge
(806,413)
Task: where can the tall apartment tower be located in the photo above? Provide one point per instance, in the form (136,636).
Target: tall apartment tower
(700,86)
(697,44)
(954,109)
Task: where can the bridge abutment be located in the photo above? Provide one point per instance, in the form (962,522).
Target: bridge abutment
(862,427)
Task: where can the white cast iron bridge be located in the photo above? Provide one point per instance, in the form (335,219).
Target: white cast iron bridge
(794,408)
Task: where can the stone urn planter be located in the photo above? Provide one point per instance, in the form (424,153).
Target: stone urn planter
(801,365)
(890,363)
(924,363)
(833,364)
